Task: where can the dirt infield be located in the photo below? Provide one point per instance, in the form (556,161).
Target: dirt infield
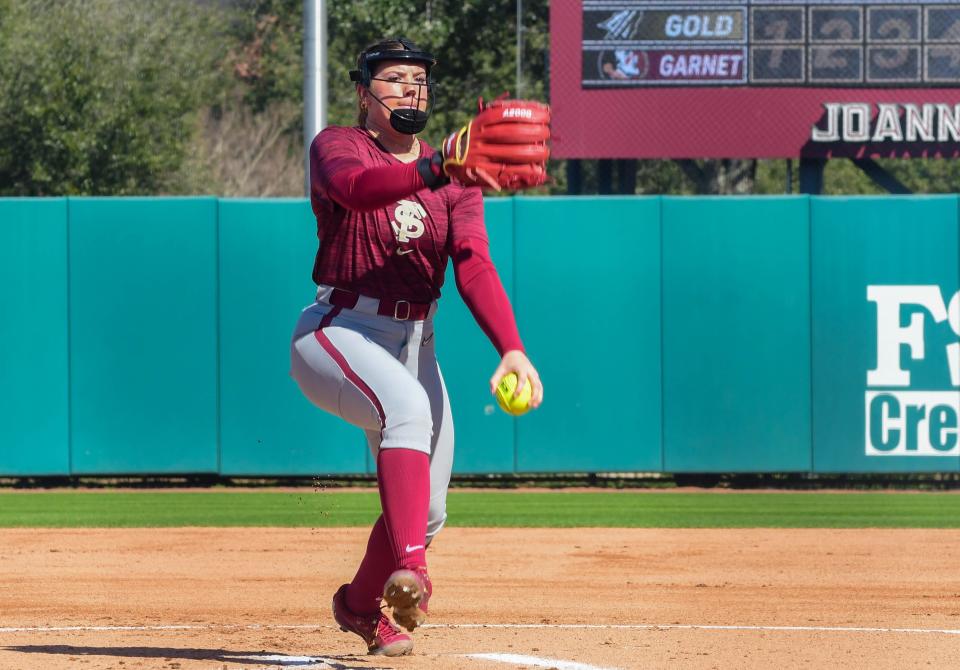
(571,599)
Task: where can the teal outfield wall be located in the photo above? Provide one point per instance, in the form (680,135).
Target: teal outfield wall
(802,334)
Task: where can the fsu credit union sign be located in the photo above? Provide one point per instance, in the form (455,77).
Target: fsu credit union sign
(904,417)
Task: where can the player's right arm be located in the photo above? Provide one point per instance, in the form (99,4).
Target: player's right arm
(482,291)
(338,174)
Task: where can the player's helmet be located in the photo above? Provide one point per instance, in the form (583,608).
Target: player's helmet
(407,121)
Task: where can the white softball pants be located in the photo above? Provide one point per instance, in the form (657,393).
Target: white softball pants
(381,375)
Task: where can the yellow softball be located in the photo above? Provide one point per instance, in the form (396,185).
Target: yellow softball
(509,404)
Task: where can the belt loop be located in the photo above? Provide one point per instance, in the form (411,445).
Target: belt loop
(341,298)
(396,309)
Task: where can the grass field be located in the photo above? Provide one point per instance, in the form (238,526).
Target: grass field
(116,509)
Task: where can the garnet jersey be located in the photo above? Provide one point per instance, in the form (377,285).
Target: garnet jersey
(384,234)
(395,249)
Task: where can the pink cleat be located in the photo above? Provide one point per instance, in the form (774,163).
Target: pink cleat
(381,636)
(407,592)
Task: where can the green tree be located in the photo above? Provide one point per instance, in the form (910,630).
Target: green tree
(268,54)
(99,96)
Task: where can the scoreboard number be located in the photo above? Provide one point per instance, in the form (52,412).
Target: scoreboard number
(777,54)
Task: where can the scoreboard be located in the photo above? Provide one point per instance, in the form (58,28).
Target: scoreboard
(764,44)
(755,78)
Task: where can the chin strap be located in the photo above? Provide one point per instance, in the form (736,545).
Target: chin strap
(406,121)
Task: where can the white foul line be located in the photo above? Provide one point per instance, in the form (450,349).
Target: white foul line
(68,629)
(677,626)
(61,629)
(312,662)
(518,659)
(453,626)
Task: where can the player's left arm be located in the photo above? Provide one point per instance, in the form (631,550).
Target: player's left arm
(481,289)
(336,172)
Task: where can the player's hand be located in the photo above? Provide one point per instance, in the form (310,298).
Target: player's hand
(516,361)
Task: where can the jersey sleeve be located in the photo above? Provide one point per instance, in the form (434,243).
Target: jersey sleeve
(338,174)
(476,276)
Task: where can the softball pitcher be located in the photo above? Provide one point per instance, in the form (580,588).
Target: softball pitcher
(390,213)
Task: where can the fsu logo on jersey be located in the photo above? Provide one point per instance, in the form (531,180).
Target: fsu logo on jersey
(407,222)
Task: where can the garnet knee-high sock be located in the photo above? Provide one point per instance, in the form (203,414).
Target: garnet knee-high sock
(403,476)
(364,592)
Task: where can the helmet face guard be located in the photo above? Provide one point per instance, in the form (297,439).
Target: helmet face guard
(406,121)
